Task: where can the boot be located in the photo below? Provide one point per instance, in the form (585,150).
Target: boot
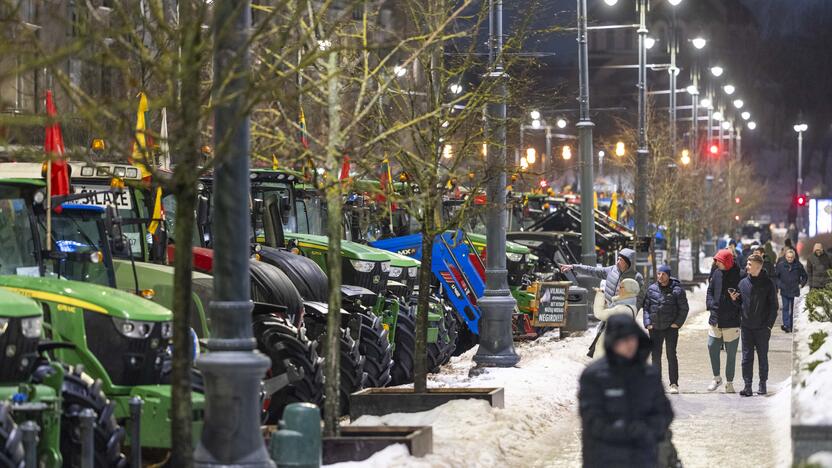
(729,387)
(747,391)
(762,389)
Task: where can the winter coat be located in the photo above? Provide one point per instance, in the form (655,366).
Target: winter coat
(724,312)
(789,278)
(816,267)
(612,276)
(768,266)
(665,305)
(758,302)
(624,410)
(619,306)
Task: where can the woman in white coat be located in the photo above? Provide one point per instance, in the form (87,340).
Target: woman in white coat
(624,303)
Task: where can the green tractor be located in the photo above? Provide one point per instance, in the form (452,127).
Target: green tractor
(49,394)
(119,339)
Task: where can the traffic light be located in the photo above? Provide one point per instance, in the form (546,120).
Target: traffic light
(802,200)
(713,149)
(737,200)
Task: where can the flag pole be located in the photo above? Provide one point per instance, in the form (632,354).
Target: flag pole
(49,202)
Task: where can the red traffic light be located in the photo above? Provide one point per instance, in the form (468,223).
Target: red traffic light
(714,149)
(737,200)
(802,200)
(543,183)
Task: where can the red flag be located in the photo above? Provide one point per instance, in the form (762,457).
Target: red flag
(54,145)
(345,168)
(385,181)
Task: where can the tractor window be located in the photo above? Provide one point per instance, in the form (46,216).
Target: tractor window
(169,206)
(17,248)
(311,213)
(78,239)
(128,208)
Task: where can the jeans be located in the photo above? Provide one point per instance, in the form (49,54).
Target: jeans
(788,311)
(714,347)
(754,340)
(670,336)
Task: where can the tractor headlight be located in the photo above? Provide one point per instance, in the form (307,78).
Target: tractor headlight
(514,257)
(363,266)
(167,330)
(133,328)
(395,272)
(31,326)
(385,267)
(412,272)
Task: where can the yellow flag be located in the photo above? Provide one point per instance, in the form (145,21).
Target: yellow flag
(140,150)
(158,213)
(275,165)
(595,200)
(614,206)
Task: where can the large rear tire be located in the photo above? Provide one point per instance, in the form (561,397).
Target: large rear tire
(405,349)
(466,338)
(351,371)
(440,353)
(11,439)
(289,349)
(377,351)
(79,392)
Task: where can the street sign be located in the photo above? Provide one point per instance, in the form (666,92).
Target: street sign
(121,200)
(552,304)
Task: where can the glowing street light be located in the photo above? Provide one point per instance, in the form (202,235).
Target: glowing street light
(531,155)
(610,2)
(738,103)
(706,103)
(692,90)
(456,88)
(484,149)
(649,42)
(801,128)
(729,89)
(751,125)
(685,157)
(674,2)
(566,153)
(717,116)
(535,115)
(523,163)
(726,125)
(717,71)
(399,71)
(561,123)
(699,42)
(535,123)
(620,150)
(601,154)
(448,151)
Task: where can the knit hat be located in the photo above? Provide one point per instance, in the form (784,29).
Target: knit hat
(724,257)
(817,247)
(630,286)
(665,269)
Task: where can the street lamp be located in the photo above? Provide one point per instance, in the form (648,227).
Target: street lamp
(566,153)
(726,125)
(620,149)
(738,103)
(611,2)
(536,124)
(561,123)
(456,88)
(685,157)
(448,151)
(729,89)
(751,125)
(399,71)
(535,115)
(717,116)
(706,103)
(674,2)
(717,71)
(800,128)
(531,155)
(745,115)
(699,42)
(691,89)
(649,42)
(524,163)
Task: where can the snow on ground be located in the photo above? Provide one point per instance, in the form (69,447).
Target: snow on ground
(812,389)
(540,393)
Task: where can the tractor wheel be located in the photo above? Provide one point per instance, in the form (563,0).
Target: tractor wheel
(405,346)
(79,392)
(11,439)
(270,285)
(377,351)
(288,347)
(453,333)
(436,353)
(466,338)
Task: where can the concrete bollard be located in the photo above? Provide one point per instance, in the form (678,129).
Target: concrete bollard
(30,443)
(136,432)
(87,417)
(297,443)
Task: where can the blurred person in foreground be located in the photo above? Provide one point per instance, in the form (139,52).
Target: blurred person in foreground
(625,414)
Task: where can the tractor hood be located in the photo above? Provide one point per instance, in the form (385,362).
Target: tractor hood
(15,305)
(350,250)
(402,261)
(75,294)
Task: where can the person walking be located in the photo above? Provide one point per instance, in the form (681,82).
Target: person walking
(623,303)
(789,277)
(665,311)
(724,319)
(612,275)
(757,299)
(625,413)
(768,262)
(817,267)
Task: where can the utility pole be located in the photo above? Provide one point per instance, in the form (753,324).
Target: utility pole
(585,125)
(674,230)
(232,369)
(642,153)
(496,340)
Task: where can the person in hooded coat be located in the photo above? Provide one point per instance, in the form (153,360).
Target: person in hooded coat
(612,275)
(757,298)
(724,319)
(789,276)
(665,311)
(625,413)
(622,303)
(817,266)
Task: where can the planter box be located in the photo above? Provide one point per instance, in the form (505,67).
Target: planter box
(807,440)
(379,401)
(358,443)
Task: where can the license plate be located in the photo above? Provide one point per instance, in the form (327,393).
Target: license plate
(121,200)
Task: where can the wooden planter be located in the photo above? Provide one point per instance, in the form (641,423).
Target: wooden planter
(358,443)
(380,401)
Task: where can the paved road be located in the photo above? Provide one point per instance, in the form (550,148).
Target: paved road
(712,429)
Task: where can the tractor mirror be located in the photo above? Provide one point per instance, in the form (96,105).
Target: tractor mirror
(201,210)
(285,205)
(257,205)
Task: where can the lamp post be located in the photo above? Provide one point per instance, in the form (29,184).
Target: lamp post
(642,152)
(800,128)
(496,341)
(585,125)
(233,369)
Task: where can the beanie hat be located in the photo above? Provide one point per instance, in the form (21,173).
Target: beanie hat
(665,269)
(817,247)
(725,257)
(630,286)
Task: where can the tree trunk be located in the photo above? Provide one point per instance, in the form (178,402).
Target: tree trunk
(420,365)
(333,259)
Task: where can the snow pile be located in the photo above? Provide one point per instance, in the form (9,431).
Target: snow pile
(778,412)
(820,459)
(812,392)
(539,394)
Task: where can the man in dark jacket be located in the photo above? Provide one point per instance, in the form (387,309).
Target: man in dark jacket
(612,275)
(665,311)
(768,262)
(724,318)
(817,266)
(789,277)
(624,411)
(757,299)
